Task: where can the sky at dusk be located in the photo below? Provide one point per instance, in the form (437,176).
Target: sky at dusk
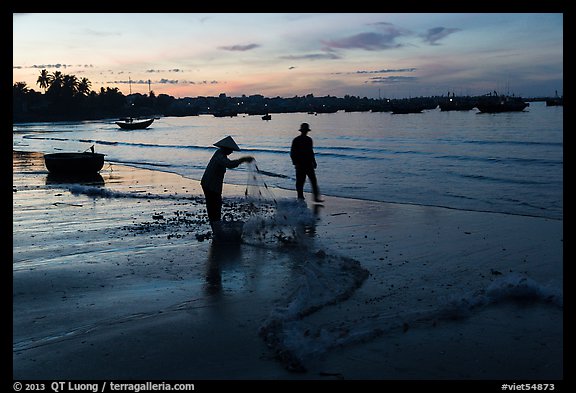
(371,55)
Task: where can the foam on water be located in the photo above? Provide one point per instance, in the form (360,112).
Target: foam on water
(102,192)
(286,222)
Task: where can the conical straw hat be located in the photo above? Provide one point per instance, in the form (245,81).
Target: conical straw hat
(227,142)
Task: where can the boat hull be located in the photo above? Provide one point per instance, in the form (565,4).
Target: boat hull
(74,163)
(517,107)
(134,125)
(498,104)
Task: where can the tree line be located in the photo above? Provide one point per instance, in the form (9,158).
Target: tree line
(67,97)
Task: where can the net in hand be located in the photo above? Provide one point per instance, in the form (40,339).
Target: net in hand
(272,220)
(257,190)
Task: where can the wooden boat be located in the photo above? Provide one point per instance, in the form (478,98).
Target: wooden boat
(457,104)
(498,104)
(131,124)
(404,108)
(225,113)
(86,163)
(412,105)
(555,101)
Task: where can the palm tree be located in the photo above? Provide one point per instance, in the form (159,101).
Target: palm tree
(56,79)
(19,89)
(19,98)
(70,84)
(84,86)
(43,80)
(55,84)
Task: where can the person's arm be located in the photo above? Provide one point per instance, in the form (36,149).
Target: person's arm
(313,154)
(295,152)
(228,163)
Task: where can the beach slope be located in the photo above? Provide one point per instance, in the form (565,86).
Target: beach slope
(117,277)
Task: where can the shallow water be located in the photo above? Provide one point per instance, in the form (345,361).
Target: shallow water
(508,162)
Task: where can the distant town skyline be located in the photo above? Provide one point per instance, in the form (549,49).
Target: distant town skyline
(370,55)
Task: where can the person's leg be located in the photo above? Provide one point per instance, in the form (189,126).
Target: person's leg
(300,179)
(314,182)
(213,205)
(214,209)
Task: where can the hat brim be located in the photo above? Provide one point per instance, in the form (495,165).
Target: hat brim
(227,143)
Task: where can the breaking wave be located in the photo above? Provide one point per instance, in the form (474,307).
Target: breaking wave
(101,192)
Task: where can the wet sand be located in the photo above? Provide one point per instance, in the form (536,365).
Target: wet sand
(113,287)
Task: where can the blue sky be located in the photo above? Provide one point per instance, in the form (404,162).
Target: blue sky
(362,54)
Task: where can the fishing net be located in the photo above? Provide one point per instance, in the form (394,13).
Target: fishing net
(257,190)
(273,220)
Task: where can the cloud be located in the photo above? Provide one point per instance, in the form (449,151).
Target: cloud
(133,82)
(168,81)
(213,82)
(239,48)
(163,81)
(385,24)
(204,83)
(383,71)
(391,79)
(432,36)
(312,56)
(58,65)
(171,70)
(367,41)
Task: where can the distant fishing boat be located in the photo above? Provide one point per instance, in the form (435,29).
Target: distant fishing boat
(406,107)
(500,103)
(555,101)
(412,105)
(131,124)
(225,113)
(453,103)
(86,163)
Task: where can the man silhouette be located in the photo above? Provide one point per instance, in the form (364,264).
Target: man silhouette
(302,155)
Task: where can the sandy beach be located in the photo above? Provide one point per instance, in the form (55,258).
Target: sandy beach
(117,278)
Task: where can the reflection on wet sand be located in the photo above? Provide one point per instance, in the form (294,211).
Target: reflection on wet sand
(220,255)
(92,179)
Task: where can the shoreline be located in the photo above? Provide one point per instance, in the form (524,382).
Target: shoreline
(135,288)
(286,192)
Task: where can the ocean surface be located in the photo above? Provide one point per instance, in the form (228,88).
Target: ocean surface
(510,163)
(507,162)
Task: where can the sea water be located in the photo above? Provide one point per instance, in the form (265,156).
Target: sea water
(507,162)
